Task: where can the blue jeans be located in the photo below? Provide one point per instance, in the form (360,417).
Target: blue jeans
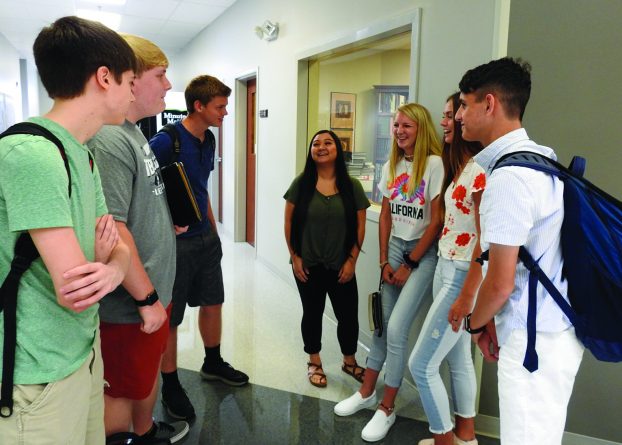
(399,308)
(438,341)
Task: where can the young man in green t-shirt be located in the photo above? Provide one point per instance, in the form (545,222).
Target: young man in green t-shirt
(88,70)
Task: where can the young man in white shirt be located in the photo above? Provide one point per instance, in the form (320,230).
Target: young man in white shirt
(520,207)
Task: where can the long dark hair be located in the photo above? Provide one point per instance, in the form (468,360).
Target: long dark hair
(455,154)
(308,182)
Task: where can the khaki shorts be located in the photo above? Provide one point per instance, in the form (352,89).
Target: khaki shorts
(68,411)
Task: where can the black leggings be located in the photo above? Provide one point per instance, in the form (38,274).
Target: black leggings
(343,297)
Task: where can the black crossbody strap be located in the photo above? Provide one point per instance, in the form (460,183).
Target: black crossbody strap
(25,253)
(174,135)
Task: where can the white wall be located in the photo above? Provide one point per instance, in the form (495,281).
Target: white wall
(454,37)
(10,82)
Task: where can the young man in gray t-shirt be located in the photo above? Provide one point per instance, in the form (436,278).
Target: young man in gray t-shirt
(134,317)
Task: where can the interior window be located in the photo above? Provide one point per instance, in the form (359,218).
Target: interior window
(355,93)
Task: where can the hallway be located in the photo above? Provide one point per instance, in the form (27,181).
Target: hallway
(261,336)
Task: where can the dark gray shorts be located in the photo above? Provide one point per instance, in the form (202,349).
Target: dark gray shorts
(198,281)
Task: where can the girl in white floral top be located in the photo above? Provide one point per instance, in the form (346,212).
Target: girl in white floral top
(456,280)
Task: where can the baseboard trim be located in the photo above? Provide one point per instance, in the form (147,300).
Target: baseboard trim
(489,426)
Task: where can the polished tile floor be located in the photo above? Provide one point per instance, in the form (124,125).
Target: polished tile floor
(261,336)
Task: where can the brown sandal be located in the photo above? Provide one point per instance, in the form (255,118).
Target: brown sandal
(356,371)
(313,370)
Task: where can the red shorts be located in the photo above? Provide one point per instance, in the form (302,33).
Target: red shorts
(132,358)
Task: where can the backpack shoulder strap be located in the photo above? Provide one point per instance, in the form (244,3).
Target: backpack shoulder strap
(537,161)
(537,275)
(211,137)
(25,253)
(37,130)
(174,135)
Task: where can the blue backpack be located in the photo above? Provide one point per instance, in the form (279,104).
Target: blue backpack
(591,238)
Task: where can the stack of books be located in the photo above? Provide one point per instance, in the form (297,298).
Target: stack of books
(362,170)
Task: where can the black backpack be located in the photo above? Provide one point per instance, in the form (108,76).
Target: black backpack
(25,254)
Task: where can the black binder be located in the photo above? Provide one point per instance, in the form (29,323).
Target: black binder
(179,194)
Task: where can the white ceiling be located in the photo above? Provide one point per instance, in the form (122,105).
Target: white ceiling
(171,24)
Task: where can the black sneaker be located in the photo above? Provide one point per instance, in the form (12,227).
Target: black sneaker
(224,372)
(164,433)
(177,403)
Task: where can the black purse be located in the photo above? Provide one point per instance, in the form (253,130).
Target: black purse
(374,308)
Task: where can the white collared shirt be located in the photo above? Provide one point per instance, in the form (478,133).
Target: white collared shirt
(524,207)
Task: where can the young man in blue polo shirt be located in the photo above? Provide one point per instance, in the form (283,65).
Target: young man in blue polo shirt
(520,207)
(198,281)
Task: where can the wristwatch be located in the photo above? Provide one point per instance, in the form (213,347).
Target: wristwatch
(149,301)
(467,326)
(412,264)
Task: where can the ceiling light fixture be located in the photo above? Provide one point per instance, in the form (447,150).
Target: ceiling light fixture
(268,31)
(111,19)
(106,2)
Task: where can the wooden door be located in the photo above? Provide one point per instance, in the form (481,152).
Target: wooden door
(219,155)
(250,160)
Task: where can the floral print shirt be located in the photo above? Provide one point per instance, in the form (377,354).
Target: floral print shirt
(411,212)
(459,235)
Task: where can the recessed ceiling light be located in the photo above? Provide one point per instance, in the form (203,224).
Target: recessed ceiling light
(111,19)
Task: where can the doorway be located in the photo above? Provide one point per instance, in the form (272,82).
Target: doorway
(251,96)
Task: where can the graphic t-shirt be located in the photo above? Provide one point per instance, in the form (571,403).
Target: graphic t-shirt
(459,235)
(411,213)
(135,194)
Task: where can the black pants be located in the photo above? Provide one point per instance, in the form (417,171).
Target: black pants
(343,297)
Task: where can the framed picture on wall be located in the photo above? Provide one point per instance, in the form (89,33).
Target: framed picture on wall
(342,110)
(347,139)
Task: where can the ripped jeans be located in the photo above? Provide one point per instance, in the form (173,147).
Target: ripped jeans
(438,341)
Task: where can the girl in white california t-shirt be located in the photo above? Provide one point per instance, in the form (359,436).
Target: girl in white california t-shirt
(408,229)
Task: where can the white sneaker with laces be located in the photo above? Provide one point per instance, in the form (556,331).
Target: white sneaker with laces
(378,427)
(354,403)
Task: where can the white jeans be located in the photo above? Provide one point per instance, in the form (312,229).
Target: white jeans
(533,405)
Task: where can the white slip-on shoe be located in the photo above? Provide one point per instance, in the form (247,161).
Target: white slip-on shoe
(378,427)
(354,403)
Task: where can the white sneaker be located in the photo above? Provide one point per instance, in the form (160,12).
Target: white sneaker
(354,403)
(378,427)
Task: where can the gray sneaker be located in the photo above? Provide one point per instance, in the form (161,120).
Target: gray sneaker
(164,433)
